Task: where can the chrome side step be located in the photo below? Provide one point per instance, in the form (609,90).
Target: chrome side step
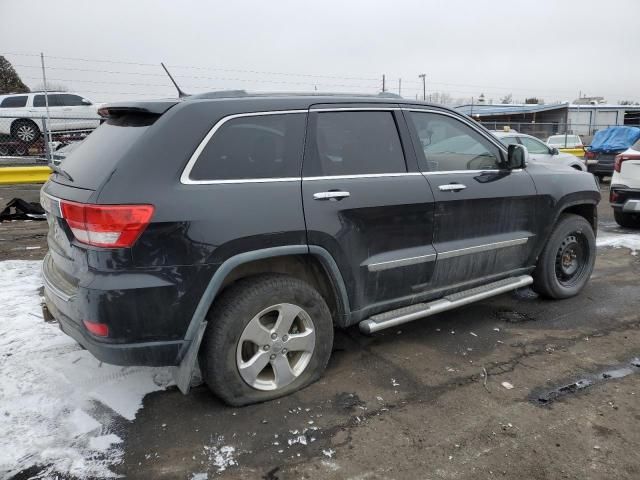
(421,310)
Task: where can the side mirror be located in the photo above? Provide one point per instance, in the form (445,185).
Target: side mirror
(517,157)
(554,151)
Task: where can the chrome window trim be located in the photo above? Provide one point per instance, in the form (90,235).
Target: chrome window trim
(355,109)
(481,248)
(402,262)
(186,173)
(363,175)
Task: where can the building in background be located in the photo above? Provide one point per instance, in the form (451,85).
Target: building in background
(543,120)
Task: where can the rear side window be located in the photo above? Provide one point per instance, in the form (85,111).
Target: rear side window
(97,156)
(253,147)
(14,102)
(354,143)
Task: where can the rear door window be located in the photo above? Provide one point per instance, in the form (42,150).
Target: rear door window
(354,143)
(253,147)
(14,102)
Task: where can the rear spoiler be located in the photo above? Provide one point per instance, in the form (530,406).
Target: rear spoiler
(156,107)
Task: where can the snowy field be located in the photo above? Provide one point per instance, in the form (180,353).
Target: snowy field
(62,409)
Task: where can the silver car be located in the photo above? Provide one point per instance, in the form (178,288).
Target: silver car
(540,151)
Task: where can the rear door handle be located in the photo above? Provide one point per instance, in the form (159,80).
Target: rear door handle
(331,195)
(452,187)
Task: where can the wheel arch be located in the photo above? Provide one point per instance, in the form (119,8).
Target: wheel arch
(309,263)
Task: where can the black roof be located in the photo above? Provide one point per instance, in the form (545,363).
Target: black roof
(292,100)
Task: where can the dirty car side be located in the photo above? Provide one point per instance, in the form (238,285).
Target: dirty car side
(205,236)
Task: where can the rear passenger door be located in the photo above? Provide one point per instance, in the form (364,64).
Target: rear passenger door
(366,203)
(485,214)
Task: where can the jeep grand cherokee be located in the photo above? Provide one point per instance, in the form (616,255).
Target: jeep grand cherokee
(234,234)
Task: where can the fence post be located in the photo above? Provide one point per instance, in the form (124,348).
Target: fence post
(45,137)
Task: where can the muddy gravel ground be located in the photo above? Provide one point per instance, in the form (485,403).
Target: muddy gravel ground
(515,387)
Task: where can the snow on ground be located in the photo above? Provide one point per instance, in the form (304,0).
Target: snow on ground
(619,238)
(59,406)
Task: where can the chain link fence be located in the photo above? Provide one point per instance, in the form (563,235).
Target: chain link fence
(41,139)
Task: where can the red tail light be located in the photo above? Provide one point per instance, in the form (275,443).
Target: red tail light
(98,329)
(589,155)
(613,196)
(112,226)
(621,158)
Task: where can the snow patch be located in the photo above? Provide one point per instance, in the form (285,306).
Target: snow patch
(220,456)
(53,394)
(617,240)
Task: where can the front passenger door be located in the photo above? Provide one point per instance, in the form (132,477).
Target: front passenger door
(485,214)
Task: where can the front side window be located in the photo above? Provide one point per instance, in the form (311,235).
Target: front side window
(69,100)
(450,145)
(14,102)
(534,146)
(354,143)
(253,147)
(510,141)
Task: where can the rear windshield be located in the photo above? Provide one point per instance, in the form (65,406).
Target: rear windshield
(96,157)
(561,139)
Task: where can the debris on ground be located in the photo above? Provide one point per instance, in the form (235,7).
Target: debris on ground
(507,385)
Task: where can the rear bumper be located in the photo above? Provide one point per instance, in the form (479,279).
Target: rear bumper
(154,354)
(626,199)
(147,314)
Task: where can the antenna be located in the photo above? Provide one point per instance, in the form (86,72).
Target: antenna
(181,94)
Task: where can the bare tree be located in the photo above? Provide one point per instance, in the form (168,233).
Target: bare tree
(507,99)
(52,87)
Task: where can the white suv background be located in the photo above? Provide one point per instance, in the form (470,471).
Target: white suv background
(21,114)
(625,187)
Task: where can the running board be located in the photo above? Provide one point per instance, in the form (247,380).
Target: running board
(421,310)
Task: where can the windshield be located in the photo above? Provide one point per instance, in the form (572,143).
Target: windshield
(96,157)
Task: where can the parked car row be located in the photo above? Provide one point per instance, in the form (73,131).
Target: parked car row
(540,151)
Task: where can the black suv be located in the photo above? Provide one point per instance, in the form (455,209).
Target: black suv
(233,234)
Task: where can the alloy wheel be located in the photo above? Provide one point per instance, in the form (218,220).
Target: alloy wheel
(275,347)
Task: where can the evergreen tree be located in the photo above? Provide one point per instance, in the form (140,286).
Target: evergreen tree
(9,79)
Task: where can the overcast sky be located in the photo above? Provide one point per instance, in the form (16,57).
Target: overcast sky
(544,48)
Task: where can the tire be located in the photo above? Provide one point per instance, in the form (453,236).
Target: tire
(4,150)
(567,260)
(627,220)
(25,131)
(247,311)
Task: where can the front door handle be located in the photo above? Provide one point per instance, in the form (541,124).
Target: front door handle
(331,195)
(452,187)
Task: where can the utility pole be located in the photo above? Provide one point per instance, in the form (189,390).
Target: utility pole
(384,84)
(47,128)
(400,86)
(423,76)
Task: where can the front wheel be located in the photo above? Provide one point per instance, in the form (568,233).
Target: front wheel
(267,336)
(567,260)
(25,131)
(627,220)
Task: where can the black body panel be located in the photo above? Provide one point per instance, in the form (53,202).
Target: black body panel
(378,246)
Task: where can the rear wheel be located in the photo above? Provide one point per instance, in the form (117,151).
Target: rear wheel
(627,220)
(567,260)
(25,131)
(267,336)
